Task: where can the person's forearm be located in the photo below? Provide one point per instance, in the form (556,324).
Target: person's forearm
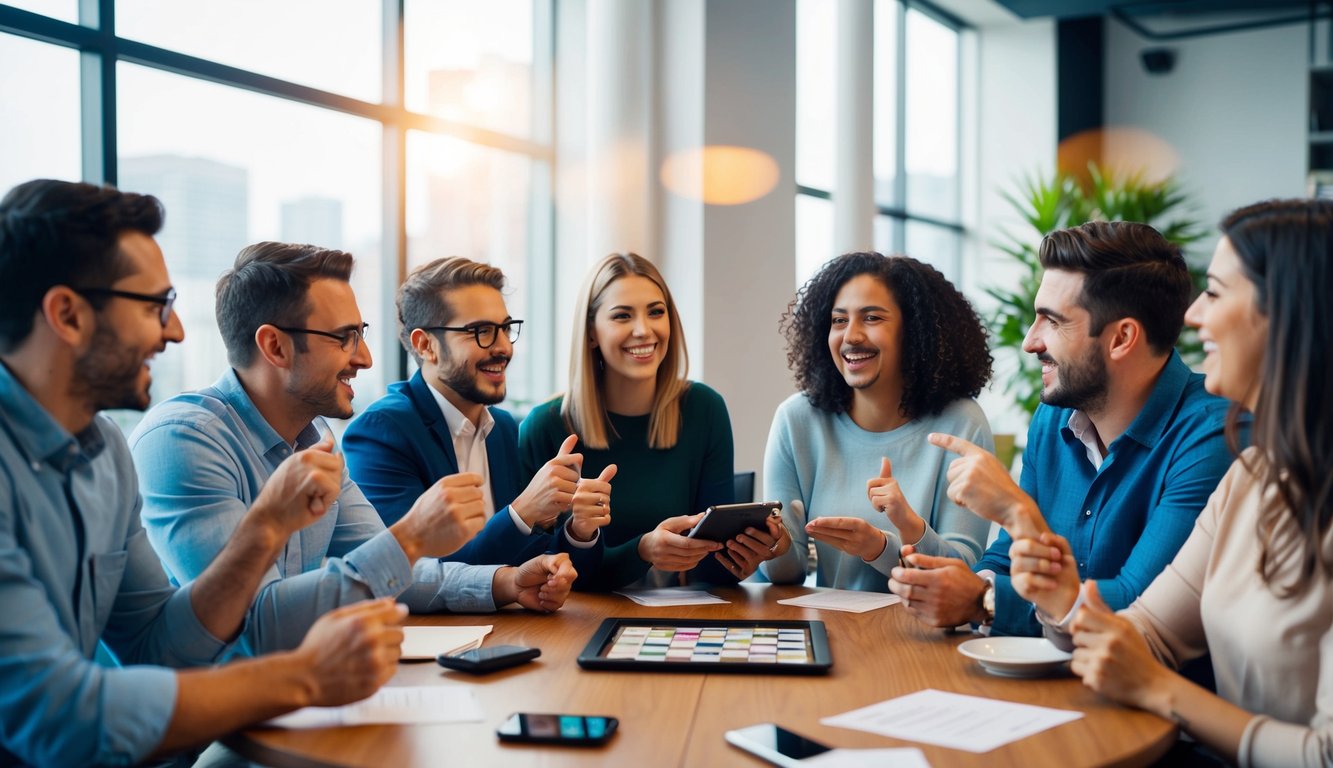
(1213,721)
(222,594)
(214,702)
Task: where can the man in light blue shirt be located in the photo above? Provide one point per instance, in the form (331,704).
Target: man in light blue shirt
(85,303)
(1123,452)
(295,340)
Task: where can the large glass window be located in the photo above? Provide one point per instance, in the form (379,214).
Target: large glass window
(251,137)
(41,140)
(915,82)
(333,45)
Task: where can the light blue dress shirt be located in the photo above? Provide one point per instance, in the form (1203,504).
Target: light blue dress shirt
(72,577)
(203,458)
(1126,519)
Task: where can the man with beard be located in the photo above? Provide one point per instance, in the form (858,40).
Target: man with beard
(1122,453)
(295,340)
(85,303)
(453,321)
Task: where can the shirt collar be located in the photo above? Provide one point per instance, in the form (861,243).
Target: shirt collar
(262,436)
(460,425)
(36,432)
(1156,414)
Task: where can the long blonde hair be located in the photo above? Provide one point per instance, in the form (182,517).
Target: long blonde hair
(584,405)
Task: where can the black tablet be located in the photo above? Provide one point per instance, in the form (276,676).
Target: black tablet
(702,645)
(725,522)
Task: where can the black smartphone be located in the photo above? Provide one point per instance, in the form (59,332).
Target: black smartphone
(479,661)
(570,730)
(725,522)
(778,746)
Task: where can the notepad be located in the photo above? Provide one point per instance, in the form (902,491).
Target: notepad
(425,643)
(850,600)
(395,704)
(672,596)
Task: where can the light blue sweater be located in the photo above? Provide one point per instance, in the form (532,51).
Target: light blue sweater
(824,459)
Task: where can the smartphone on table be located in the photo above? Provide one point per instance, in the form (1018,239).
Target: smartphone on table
(479,661)
(775,744)
(567,730)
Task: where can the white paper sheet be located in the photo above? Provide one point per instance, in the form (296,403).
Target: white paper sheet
(428,642)
(904,757)
(672,596)
(952,720)
(397,704)
(850,600)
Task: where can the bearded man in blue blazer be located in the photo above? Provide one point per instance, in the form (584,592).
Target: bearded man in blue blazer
(453,321)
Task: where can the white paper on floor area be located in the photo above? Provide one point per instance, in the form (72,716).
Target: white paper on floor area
(397,704)
(969,723)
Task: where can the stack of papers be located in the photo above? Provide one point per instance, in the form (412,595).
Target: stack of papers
(399,704)
(969,723)
(850,600)
(425,643)
(672,596)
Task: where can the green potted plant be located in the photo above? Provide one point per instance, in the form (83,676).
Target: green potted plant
(1061,201)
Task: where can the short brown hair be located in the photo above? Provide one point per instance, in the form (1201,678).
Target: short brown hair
(1129,270)
(421,301)
(270,283)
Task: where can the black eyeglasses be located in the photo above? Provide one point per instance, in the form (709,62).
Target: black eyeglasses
(167,300)
(349,340)
(485,333)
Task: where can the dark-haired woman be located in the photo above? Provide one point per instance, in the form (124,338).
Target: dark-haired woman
(885,351)
(1253,584)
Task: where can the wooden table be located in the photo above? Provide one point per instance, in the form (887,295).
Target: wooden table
(678,719)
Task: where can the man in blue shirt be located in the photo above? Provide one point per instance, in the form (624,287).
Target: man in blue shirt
(295,340)
(1121,455)
(85,303)
(453,321)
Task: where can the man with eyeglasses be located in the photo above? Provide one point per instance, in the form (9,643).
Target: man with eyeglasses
(295,341)
(454,322)
(85,304)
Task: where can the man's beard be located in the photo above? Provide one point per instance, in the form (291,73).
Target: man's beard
(460,379)
(1082,385)
(108,374)
(320,399)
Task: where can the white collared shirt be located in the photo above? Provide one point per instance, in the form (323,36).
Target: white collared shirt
(470,447)
(1086,432)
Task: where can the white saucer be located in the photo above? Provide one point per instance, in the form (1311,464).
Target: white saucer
(1015,656)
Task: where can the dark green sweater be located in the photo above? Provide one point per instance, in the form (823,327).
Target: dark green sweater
(650,485)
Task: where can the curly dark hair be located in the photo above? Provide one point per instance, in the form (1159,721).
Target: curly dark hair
(945,355)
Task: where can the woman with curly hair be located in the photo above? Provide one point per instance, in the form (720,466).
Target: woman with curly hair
(885,351)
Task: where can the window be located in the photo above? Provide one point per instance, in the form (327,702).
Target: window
(915,82)
(255,120)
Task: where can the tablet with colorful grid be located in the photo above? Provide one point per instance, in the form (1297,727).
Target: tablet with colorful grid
(679,645)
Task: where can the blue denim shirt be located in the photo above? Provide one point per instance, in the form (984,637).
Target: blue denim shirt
(1126,520)
(61,597)
(203,458)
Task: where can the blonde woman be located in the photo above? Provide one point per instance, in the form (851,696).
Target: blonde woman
(656,447)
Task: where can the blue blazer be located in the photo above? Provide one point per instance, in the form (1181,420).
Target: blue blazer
(401,445)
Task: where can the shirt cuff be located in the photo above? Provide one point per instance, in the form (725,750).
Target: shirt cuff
(522,527)
(192,641)
(889,557)
(131,733)
(573,542)
(382,564)
(989,576)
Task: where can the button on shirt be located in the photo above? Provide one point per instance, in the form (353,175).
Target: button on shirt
(1126,516)
(203,458)
(71,576)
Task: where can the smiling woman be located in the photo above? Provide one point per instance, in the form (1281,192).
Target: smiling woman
(664,440)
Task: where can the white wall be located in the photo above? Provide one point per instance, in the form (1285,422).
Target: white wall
(1233,109)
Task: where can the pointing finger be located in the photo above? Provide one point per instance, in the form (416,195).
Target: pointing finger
(956,444)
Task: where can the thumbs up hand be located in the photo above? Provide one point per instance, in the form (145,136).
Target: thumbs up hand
(552,488)
(887,497)
(592,505)
(1112,657)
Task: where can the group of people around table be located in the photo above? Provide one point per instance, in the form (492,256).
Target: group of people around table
(232,563)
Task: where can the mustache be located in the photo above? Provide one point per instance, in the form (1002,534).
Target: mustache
(847,350)
(493,359)
(1045,358)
